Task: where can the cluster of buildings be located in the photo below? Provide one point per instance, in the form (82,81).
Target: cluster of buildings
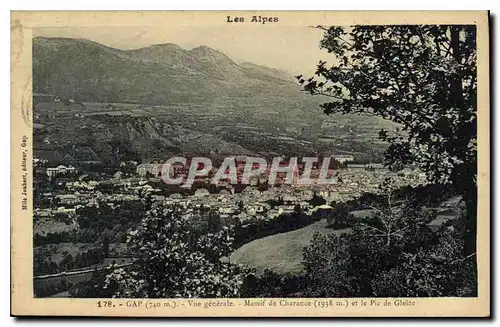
(242,165)
(251,203)
(254,204)
(61,170)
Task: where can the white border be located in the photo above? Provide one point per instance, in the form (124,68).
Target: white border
(192,5)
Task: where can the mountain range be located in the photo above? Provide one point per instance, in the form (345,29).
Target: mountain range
(200,93)
(157,74)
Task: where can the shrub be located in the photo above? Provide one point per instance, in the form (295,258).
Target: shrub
(272,284)
(394,254)
(438,271)
(173,262)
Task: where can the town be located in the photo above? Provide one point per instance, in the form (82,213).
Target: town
(74,191)
(90,209)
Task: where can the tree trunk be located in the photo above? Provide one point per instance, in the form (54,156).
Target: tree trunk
(456,81)
(468,188)
(470,235)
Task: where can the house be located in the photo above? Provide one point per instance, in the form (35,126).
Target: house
(42,97)
(322,207)
(375,166)
(353,166)
(201,192)
(152,168)
(175,196)
(117,260)
(286,209)
(158,197)
(66,210)
(227,210)
(60,170)
(289,199)
(343,158)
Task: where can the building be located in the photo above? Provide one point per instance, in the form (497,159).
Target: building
(353,166)
(39,162)
(112,260)
(152,168)
(343,158)
(42,97)
(60,170)
(201,192)
(375,166)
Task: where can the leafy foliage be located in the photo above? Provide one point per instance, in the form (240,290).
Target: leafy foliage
(95,288)
(438,271)
(245,233)
(272,284)
(393,254)
(174,262)
(317,200)
(422,77)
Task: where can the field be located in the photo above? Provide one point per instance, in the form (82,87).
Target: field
(56,252)
(281,253)
(44,226)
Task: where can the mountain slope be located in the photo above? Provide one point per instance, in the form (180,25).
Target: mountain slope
(159,74)
(104,138)
(271,72)
(280,253)
(202,89)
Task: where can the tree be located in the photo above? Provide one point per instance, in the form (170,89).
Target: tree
(173,262)
(437,271)
(67,262)
(297,210)
(317,200)
(105,245)
(392,254)
(422,77)
(95,288)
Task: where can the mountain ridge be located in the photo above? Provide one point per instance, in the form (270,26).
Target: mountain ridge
(201,90)
(85,68)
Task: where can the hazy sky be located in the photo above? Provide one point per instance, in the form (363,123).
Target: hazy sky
(292,48)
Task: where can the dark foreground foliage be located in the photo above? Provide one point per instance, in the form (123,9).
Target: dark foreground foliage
(362,264)
(394,253)
(422,77)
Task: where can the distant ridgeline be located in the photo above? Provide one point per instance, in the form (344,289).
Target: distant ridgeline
(177,101)
(166,73)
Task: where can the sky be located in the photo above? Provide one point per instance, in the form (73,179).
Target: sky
(291,48)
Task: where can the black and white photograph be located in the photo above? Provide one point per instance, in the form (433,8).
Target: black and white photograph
(256,160)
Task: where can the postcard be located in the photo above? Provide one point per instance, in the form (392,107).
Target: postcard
(250,164)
